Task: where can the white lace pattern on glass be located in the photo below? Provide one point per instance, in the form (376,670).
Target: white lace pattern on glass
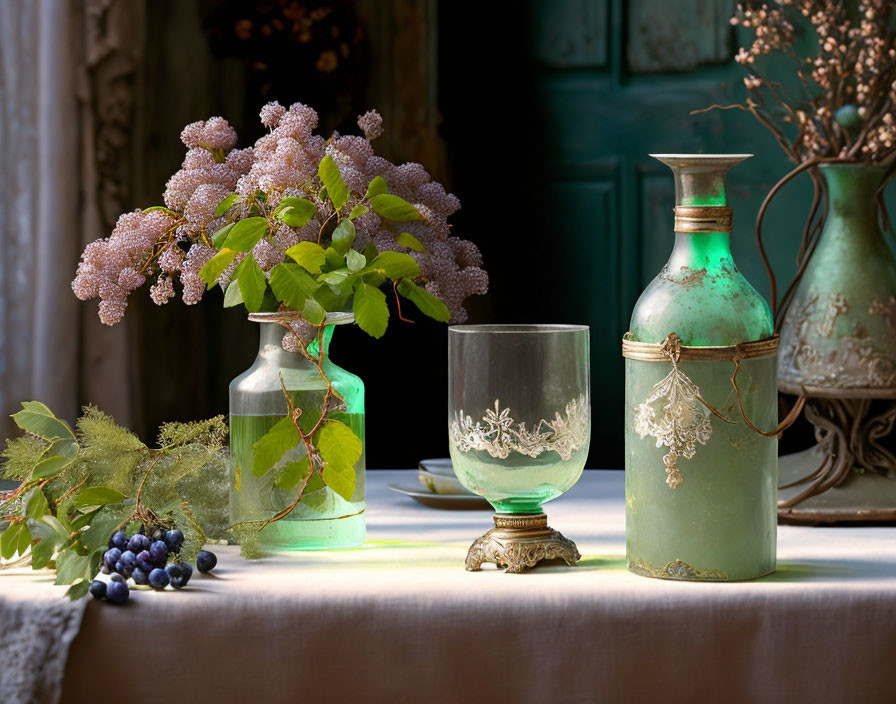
(499,434)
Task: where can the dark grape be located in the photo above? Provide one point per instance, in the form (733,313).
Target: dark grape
(178,575)
(119,540)
(138,542)
(105,569)
(158,578)
(111,556)
(123,569)
(117,592)
(116,577)
(128,558)
(145,561)
(159,552)
(206,561)
(174,538)
(158,534)
(98,589)
(139,576)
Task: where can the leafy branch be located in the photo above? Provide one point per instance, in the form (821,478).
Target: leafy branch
(78,487)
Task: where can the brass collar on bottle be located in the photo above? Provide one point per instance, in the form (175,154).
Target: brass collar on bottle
(702,218)
(660,352)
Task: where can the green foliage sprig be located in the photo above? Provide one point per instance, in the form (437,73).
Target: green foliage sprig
(79,486)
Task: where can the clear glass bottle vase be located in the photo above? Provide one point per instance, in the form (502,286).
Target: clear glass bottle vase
(323,519)
(700,488)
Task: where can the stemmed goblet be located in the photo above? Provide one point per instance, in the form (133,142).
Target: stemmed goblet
(519,420)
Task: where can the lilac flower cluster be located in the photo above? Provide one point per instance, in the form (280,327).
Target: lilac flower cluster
(174,242)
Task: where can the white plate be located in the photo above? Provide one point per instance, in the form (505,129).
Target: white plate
(445,501)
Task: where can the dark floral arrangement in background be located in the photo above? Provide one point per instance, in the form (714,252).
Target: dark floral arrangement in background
(844,101)
(272,37)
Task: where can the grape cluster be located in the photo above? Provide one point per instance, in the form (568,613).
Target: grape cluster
(146,560)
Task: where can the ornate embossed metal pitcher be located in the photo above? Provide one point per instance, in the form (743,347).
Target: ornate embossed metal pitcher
(838,347)
(701,396)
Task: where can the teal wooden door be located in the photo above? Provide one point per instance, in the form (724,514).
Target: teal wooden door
(617,81)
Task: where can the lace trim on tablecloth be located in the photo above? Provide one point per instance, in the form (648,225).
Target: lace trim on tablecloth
(37,632)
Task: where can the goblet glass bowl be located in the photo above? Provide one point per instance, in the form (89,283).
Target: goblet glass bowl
(519,425)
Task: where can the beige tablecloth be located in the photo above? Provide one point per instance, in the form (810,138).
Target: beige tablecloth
(399,620)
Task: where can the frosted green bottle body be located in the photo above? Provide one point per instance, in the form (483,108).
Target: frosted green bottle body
(720,522)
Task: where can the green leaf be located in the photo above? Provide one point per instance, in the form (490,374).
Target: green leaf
(355,260)
(246,234)
(309,255)
(370,309)
(334,297)
(292,284)
(58,528)
(39,420)
(42,553)
(98,496)
(341,480)
(332,179)
(85,518)
(78,590)
(343,236)
(425,301)
(35,503)
(313,312)
(377,187)
(340,448)
(357,211)
(394,208)
(315,483)
(252,284)
(293,473)
(335,278)
(319,500)
(102,526)
(295,212)
(270,447)
(225,205)
(221,235)
(70,567)
(233,296)
(24,539)
(406,239)
(49,467)
(9,540)
(335,260)
(214,267)
(269,304)
(162,208)
(395,265)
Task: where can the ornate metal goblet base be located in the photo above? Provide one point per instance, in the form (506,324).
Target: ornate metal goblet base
(850,475)
(520,541)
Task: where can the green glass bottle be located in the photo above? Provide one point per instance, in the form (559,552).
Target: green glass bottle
(700,482)
(323,520)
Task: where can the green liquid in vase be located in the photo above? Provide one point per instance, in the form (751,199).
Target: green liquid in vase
(519,483)
(322,520)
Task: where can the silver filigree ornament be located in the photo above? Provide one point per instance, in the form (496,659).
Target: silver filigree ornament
(684,422)
(499,434)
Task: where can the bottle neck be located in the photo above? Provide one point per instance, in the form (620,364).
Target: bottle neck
(270,341)
(701,250)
